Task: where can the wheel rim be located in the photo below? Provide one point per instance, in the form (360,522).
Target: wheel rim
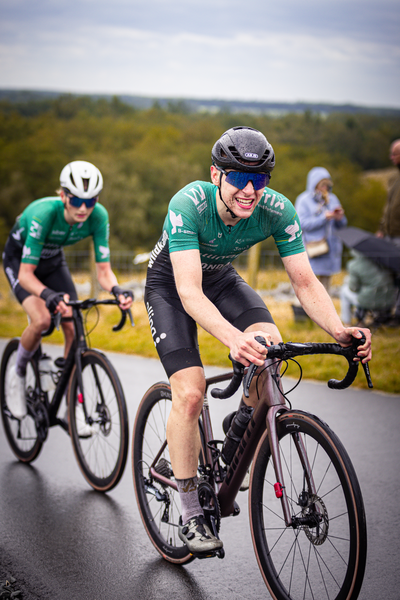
(317,557)
(100,448)
(22,433)
(161,516)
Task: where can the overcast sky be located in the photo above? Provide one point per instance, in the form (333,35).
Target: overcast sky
(335,51)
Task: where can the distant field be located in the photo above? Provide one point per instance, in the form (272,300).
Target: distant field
(137,340)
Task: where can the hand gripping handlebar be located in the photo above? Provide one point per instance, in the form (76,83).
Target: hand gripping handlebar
(291,350)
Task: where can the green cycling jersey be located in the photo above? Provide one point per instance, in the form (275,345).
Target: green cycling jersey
(41,230)
(193,222)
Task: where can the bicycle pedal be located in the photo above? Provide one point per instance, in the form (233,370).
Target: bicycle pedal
(201,555)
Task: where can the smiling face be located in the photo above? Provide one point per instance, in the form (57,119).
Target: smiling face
(241,202)
(73,214)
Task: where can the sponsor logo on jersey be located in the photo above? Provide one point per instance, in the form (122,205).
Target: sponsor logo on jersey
(26,251)
(17,234)
(35,230)
(11,278)
(104,251)
(273,203)
(57,232)
(196,194)
(292,230)
(176,221)
(157,249)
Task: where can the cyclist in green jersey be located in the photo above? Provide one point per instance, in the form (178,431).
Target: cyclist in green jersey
(36,268)
(190,280)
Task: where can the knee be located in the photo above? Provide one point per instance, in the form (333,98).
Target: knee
(188,403)
(41,323)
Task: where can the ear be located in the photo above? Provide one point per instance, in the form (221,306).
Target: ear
(215,175)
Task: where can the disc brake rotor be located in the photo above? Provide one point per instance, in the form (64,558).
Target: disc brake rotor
(316,510)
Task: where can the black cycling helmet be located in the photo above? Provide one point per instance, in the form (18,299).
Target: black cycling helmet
(241,145)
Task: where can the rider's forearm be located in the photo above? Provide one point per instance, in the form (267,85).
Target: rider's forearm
(105,276)
(318,305)
(205,313)
(29,281)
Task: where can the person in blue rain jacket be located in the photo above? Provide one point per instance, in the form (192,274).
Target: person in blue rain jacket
(321,214)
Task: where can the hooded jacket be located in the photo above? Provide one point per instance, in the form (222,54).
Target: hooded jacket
(312,214)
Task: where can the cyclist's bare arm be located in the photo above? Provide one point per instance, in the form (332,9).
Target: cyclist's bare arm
(108,280)
(188,278)
(31,283)
(318,305)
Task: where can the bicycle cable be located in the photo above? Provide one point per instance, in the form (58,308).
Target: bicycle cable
(277,375)
(85,326)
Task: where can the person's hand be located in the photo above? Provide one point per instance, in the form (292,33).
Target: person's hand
(55,301)
(337,214)
(245,348)
(124,297)
(345,339)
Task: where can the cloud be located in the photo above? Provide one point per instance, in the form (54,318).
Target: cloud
(318,50)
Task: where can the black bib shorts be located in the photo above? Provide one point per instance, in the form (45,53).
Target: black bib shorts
(175,332)
(52,272)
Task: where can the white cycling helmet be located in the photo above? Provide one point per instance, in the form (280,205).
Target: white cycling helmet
(81,179)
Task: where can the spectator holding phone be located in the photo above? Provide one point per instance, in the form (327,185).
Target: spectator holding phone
(320,214)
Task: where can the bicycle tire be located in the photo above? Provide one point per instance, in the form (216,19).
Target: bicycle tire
(308,561)
(149,434)
(21,434)
(102,455)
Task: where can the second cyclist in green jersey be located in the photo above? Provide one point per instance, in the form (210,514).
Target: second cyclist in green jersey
(36,268)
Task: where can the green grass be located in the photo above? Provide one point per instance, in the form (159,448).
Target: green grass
(384,367)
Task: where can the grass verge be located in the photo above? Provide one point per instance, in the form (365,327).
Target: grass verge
(137,340)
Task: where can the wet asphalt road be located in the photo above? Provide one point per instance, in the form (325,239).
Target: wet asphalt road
(63,541)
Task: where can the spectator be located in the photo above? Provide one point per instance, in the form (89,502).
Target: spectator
(390,222)
(368,286)
(320,213)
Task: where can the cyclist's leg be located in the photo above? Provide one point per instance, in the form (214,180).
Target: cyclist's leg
(34,307)
(244,308)
(175,337)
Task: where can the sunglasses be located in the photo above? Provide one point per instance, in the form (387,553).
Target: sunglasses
(239,179)
(77,202)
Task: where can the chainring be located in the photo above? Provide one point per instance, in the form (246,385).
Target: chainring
(210,504)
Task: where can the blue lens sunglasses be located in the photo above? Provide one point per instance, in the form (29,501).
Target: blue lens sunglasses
(239,179)
(77,202)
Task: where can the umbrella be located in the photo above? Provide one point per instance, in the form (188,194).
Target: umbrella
(381,251)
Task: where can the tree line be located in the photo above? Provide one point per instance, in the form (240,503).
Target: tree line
(146,156)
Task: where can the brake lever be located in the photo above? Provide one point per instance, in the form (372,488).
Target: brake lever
(123,319)
(248,378)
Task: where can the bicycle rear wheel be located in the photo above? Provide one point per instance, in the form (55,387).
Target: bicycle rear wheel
(159,505)
(21,434)
(101,453)
(323,554)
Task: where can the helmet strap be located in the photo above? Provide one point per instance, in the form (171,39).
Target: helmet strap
(220,195)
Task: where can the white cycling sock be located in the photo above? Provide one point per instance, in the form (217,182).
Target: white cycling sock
(23,357)
(189,497)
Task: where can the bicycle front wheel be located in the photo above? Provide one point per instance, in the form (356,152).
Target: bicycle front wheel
(159,505)
(323,553)
(21,433)
(101,444)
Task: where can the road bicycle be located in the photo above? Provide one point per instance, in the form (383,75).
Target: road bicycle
(307,517)
(97,418)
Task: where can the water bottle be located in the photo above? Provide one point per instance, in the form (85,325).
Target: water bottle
(48,372)
(235,433)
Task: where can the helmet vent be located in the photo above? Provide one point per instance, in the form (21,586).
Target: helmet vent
(72,180)
(85,184)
